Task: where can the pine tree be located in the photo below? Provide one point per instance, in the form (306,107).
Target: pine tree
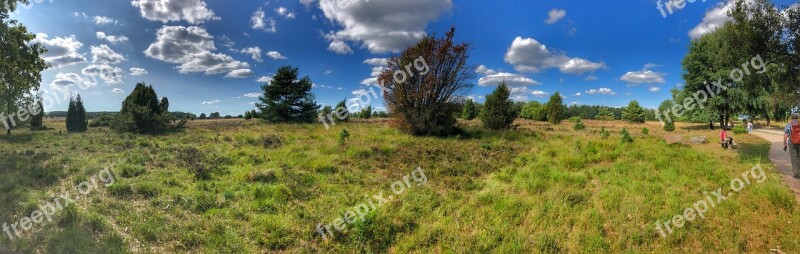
(470,111)
(605,114)
(81,123)
(287,99)
(248,115)
(143,113)
(555,109)
(499,111)
(633,113)
(345,114)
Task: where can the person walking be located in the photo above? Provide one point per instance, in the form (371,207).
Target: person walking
(791,141)
(750,127)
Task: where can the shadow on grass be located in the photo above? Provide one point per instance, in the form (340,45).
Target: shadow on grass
(754,153)
(17,138)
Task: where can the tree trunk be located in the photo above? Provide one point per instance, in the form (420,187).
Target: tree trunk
(8,132)
(711,125)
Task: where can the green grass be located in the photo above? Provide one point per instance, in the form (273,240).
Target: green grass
(243,186)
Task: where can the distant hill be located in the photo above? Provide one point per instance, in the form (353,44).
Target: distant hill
(92,115)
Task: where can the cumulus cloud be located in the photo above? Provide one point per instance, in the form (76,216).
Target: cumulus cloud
(377,62)
(113,39)
(191,48)
(210,102)
(264,79)
(109,74)
(381,26)
(483,70)
(138,72)
(645,76)
(539,93)
(105,55)
(378,66)
(655,89)
(61,51)
(528,55)
(259,21)
(512,80)
(252,95)
(338,45)
(117,91)
(240,73)
(603,91)
(254,52)
(276,55)
(63,81)
(192,11)
(714,18)
(101,20)
(554,16)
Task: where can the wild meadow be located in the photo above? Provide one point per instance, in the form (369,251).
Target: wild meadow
(225,186)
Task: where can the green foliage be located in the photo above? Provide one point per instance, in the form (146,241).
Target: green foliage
(604,133)
(605,114)
(669,126)
(21,63)
(143,113)
(574,119)
(533,110)
(625,136)
(76,116)
(499,111)
(555,109)
(578,125)
(633,113)
(104,120)
(470,111)
(645,131)
(341,111)
(366,113)
(202,116)
(288,99)
(343,136)
(248,115)
(37,120)
(739,130)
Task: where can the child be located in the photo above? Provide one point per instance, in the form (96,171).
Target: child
(727,140)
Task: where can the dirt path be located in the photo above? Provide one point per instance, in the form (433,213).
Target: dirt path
(780,158)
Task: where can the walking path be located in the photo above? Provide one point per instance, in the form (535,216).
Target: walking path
(780,158)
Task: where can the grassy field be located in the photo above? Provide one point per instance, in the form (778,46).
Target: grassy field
(232,186)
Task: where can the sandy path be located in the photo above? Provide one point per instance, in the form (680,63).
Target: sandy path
(780,158)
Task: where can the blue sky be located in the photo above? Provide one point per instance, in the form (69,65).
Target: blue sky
(208,56)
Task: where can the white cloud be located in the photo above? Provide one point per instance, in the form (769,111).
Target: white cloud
(377,62)
(540,94)
(603,91)
(327,72)
(101,20)
(61,51)
(254,52)
(105,55)
(240,73)
(338,45)
(109,74)
(259,21)
(512,80)
(714,18)
(63,81)
(591,78)
(192,11)
(191,48)
(138,72)
(645,76)
(577,94)
(282,11)
(252,95)
(655,89)
(113,39)
(528,55)
(117,91)
(276,55)
(483,70)
(264,79)
(554,16)
(381,26)
(210,102)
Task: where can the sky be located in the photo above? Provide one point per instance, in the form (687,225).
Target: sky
(213,55)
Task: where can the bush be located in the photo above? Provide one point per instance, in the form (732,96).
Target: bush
(105,120)
(37,120)
(470,110)
(739,130)
(633,113)
(604,133)
(142,113)
(76,116)
(499,111)
(645,131)
(272,141)
(578,125)
(555,109)
(343,136)
(427,100)
(626,137)
(669,126)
